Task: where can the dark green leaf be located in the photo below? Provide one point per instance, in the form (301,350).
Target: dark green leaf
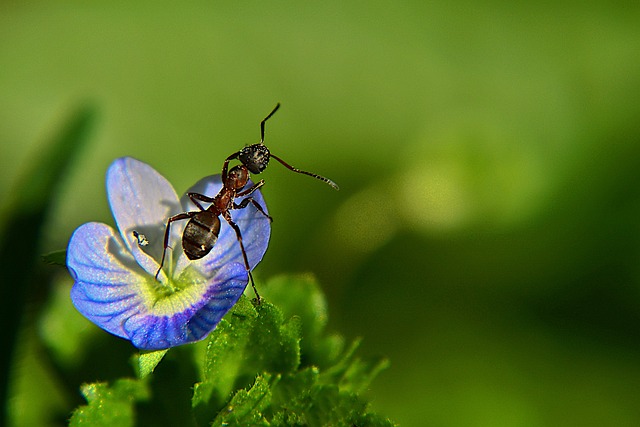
(23,217)
(56,258)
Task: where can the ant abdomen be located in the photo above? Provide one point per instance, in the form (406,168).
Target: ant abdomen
(200,234)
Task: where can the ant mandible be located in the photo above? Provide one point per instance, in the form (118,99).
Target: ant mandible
(201,232)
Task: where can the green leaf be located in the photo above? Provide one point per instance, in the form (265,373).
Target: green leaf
(109,406)
(300,296)
(302,399)
(224,358)
(62,328)
(254,344)
(22,220)
(274,341)
(294,386)
(247,406)
(248,341)
(352,373)
(331,407)
(145,362)
(56,258)
(360,373)
(36,395)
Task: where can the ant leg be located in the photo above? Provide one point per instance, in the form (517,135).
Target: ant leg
(251,189)
(201,197)
(225,166)
(178,217)
(243,204)
(244,253)
(246,201)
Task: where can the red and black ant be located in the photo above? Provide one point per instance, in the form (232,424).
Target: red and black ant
(201,232)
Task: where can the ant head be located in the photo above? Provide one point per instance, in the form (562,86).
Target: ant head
(255,157)
(237,178)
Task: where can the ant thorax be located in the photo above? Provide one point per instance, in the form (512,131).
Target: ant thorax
(237,178)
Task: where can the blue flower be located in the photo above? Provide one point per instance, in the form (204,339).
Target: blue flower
(114,270)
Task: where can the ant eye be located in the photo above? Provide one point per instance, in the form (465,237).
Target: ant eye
(255,157)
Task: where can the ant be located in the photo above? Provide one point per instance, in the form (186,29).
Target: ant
(201,232)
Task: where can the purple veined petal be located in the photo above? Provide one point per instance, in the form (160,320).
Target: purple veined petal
(254,227)
(188,316)
(141,200)
(108,280)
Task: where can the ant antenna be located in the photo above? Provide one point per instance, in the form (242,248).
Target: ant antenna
(264,120)
(256,157)
(315,175)
(285,164)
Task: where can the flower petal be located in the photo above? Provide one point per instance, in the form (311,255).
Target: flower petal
(141,200)
(107,278)
(188,315)
(254,226)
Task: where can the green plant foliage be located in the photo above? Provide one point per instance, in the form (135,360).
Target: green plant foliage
(247,406)
(255,370)
(145,362)
(109,406)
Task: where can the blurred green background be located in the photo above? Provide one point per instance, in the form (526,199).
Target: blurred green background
(486,237)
